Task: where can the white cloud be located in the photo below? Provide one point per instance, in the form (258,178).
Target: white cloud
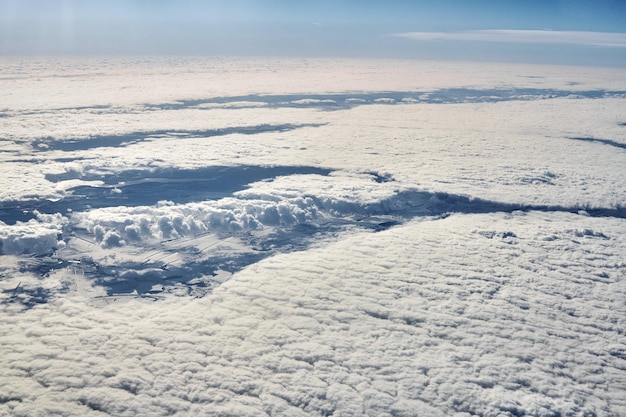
(38,236)
(604,39)
(432,316)
(500,313)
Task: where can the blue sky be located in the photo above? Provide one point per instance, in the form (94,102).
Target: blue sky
(491,30)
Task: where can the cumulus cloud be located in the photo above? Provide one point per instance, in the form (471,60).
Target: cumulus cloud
(604,39)
(284,202)
(38,236)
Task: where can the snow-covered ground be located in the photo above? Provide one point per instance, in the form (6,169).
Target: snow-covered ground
(274,237)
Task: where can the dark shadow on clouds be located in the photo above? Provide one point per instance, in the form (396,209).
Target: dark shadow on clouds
(609,142)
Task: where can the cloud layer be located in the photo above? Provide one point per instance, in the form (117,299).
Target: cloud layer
(224,245)
(473,314)
(609,40)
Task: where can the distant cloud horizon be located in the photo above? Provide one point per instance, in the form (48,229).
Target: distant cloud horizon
(602,39)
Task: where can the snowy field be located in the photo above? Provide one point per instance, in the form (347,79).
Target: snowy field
(274,237)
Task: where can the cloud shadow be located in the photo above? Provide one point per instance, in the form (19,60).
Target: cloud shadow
(609,142)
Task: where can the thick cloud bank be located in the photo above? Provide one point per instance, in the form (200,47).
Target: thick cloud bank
(484,314)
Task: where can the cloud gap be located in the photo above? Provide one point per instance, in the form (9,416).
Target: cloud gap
(347,100)
(28,297)
(147,187)
(118,141)
(182,267)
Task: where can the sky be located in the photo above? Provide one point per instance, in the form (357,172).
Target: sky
(346,28)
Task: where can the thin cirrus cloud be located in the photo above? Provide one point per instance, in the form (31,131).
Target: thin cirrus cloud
(603,39)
